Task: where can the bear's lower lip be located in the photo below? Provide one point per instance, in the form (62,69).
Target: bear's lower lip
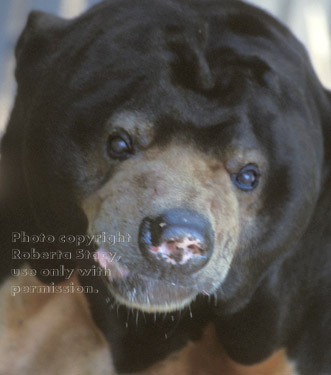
(143,293)
(150,295)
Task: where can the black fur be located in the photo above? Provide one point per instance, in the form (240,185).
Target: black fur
(209,72)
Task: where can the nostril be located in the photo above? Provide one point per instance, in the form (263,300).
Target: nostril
(177,237)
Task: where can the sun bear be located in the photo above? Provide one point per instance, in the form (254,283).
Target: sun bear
(197,135)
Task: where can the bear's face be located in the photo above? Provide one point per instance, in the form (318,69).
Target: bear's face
(194,135)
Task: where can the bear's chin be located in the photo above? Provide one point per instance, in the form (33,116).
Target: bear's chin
(141,292)
(149,295)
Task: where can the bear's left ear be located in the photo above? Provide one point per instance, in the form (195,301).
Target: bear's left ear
(35,46)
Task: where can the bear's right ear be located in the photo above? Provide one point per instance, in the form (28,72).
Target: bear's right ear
(35,45)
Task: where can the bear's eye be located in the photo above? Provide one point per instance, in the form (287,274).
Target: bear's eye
(247,178)
(119,146)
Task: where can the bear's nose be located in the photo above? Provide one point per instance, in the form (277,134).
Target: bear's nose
(178,237)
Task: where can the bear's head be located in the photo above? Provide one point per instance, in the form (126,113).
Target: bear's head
(194,135)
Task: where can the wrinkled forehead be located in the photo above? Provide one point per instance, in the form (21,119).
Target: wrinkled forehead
(154,54)
(138,28)
(189,72)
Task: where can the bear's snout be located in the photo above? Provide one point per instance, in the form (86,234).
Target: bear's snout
(178,237)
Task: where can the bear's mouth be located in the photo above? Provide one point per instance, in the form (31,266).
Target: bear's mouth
(141,292)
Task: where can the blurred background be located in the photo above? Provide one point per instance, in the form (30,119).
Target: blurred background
(309,20)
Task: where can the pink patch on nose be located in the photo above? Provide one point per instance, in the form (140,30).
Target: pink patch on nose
(107,261)
(178,251)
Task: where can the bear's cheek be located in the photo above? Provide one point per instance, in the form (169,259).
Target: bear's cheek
(175,178)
